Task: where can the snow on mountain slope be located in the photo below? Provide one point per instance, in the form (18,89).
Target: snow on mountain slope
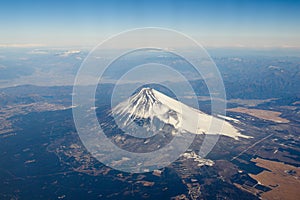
(152,106)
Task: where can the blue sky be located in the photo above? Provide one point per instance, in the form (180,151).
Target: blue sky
(255,23)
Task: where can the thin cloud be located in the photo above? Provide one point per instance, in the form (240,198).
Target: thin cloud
(22,45)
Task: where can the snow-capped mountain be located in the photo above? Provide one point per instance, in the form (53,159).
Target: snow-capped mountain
(155,111)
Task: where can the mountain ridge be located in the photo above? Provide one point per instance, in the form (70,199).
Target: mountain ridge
(157,109)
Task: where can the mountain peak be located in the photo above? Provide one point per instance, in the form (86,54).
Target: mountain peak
(145,89)
(147,104)
(153,107)
(144,96)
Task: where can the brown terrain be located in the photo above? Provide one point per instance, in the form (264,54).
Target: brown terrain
(262,114)
(282,178)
